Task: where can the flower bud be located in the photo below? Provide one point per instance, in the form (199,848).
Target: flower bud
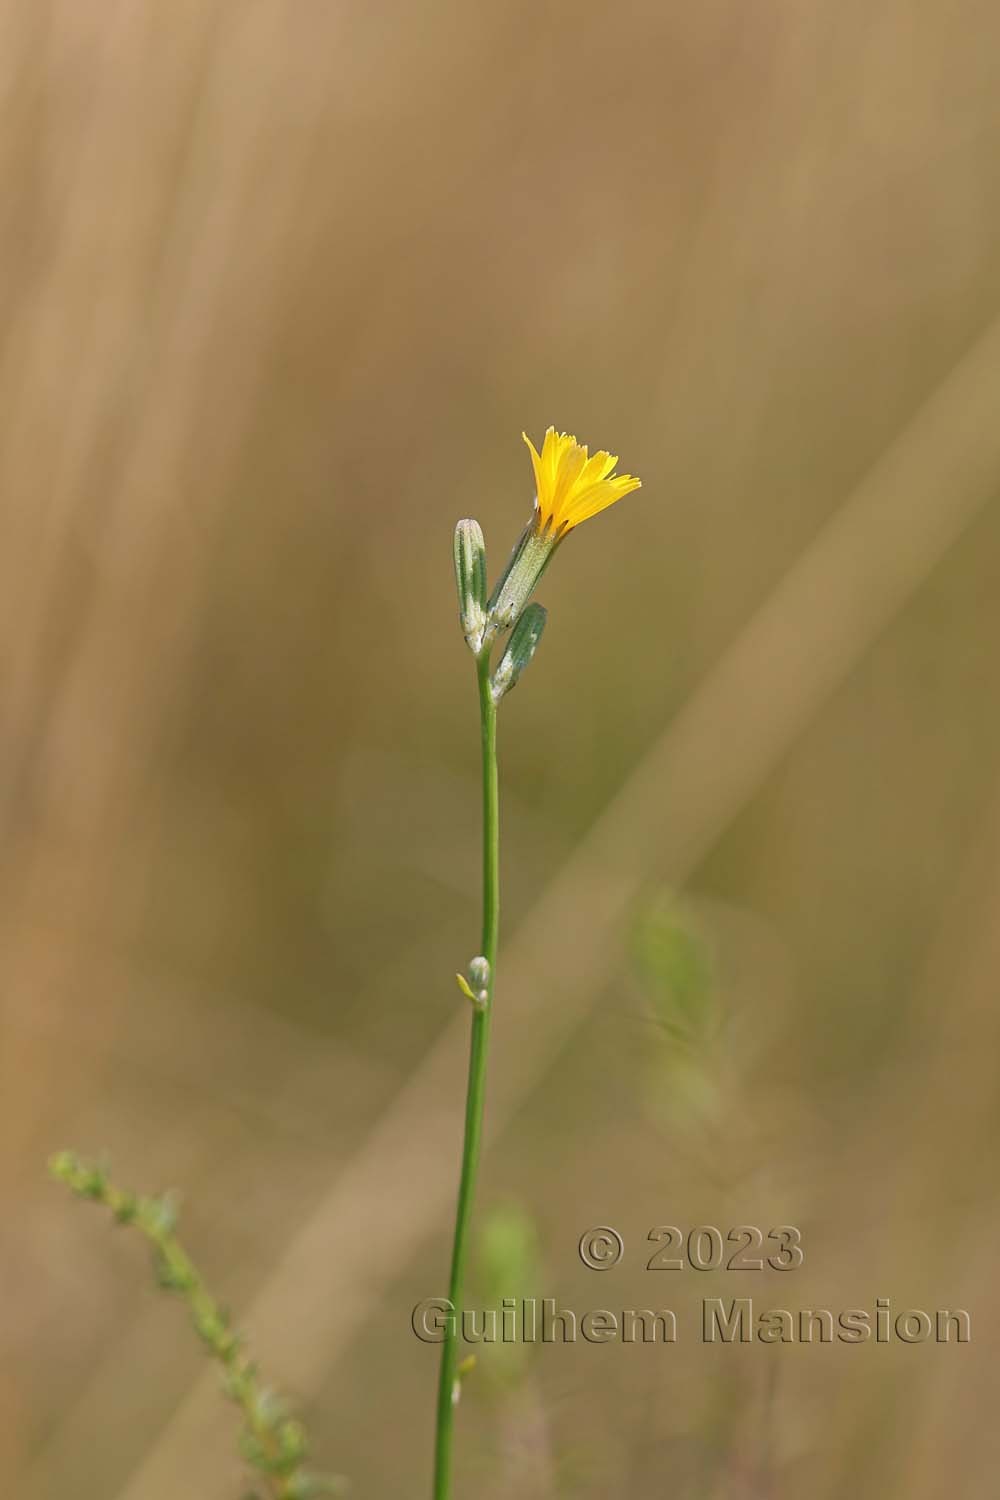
(520,649)
(479,975)
(470,577)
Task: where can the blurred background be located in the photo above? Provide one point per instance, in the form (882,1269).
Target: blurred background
(283,282)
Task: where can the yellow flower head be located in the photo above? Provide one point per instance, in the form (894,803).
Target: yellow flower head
(569,486)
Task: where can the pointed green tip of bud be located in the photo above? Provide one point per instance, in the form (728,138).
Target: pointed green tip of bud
(521,648)
(470,579)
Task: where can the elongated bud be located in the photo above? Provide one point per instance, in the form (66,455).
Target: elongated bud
(521,648)
(514,588)
(470,577)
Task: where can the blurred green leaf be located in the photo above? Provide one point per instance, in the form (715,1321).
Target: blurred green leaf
(509,1266)
(509,1253)
(674,962)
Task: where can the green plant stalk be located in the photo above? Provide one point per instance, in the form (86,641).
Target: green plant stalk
(476,1091)
(273,1443)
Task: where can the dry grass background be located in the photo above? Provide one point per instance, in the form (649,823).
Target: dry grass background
(283,280)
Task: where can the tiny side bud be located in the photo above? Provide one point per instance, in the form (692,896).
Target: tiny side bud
(521,648)
(470,579)
(479,973)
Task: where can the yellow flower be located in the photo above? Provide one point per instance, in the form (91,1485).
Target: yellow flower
(569,486)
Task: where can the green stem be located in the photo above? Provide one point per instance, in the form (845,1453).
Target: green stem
(476,1090)
(273,1443)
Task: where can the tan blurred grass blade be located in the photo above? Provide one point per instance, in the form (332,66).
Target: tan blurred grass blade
(926,1169)
(797,648)
(938,1138)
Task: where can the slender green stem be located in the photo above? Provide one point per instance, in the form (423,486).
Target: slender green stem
(273,1443)
(476,1091)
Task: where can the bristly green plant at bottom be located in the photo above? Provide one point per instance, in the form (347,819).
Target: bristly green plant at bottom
(272,1443)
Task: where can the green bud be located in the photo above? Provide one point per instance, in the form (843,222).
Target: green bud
(520,649)
(64,1167)
(170,1275)
(470,577)
(94,1182)
(479,973)
(126,1207)
(528,562)
(478,987)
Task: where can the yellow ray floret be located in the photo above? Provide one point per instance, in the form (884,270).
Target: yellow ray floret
(569,486)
